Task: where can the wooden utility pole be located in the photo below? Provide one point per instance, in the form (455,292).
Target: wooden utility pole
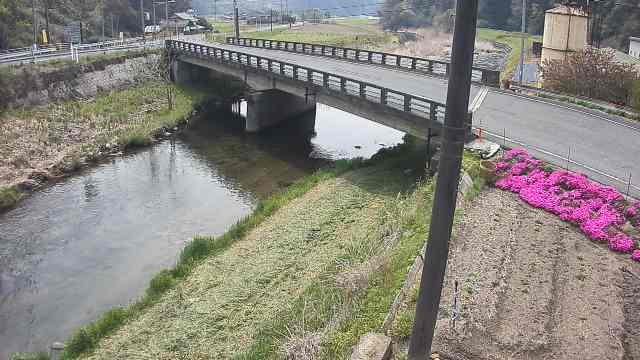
(444,203)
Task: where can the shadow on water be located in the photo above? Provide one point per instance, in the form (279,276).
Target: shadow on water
(93,241)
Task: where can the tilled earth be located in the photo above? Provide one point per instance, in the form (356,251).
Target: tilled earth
(533,287)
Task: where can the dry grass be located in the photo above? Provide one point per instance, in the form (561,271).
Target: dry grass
(60,137)
(433,43)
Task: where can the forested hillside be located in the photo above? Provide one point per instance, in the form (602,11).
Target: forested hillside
(620,18)
(16,18)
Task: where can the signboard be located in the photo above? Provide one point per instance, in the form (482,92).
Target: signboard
(73,33)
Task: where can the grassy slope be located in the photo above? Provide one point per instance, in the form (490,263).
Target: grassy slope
(244,294)
(511,39)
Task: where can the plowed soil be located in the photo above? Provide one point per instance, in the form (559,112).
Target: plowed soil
(533,287)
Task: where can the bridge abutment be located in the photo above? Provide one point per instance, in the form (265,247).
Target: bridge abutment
(270,107)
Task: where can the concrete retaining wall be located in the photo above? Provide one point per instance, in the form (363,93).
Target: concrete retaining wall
(36,85)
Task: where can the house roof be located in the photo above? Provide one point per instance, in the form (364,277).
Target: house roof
(567,10)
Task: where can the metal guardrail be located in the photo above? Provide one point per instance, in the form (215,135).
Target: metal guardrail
(320,80)
(14,55)
(427,66)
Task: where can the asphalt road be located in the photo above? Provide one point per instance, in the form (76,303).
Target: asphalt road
(596,144)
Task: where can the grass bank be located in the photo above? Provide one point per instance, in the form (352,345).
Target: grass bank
(360,33)
(293,268)
(513,40)
(47,142)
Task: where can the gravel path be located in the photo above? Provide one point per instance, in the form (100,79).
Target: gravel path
(534,287)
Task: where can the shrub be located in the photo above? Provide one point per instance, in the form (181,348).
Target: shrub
(592,73)
(635,95)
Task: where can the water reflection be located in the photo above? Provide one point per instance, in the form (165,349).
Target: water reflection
(82,246)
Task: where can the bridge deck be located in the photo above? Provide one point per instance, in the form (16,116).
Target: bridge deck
(602,147)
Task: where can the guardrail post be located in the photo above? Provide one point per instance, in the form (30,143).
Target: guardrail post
(343,85)
(270,65)
(323,48)
(357,55)
(325,80)
(447,69)
(383,96)
(295,72)
(309,76)
(433,112)
(414,63)
(430,66)
(363,93)
(383,60)
(370,57)
(407,103)
(333,52)
(398,60)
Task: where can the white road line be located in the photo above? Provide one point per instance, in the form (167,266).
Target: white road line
(478,100)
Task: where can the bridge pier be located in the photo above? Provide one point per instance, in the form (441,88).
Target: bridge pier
(270,107)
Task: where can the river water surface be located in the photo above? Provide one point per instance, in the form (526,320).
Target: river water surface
(92,242)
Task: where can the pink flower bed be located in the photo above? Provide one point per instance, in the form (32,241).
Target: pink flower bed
(600,211)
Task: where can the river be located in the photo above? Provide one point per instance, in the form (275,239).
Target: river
(80,247)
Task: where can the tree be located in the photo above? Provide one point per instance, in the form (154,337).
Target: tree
(592,73)
(495,13)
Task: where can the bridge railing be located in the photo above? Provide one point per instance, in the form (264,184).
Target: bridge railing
(332,83)
(434,67)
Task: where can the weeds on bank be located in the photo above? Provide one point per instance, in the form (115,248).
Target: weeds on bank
(86,339)
(30,356)
(62,136)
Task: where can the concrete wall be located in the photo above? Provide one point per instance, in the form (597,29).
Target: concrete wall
(270,107)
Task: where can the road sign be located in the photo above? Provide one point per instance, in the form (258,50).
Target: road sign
(73,33)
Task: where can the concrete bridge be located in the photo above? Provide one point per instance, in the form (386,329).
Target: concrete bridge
(409,94)
(281,90)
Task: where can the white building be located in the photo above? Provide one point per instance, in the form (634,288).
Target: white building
(634,47)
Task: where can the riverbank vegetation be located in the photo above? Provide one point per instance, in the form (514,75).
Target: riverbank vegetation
(288,278)
(47,142)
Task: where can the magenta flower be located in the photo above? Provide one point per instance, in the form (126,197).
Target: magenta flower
(598,210)
(621,243)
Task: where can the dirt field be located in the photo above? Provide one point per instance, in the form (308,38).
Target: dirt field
(533,287)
